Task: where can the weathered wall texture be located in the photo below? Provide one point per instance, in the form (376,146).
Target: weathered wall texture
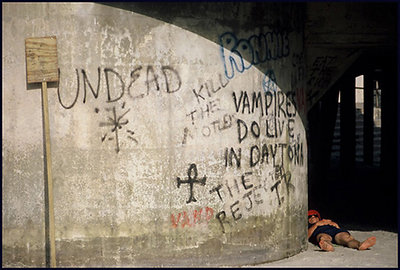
(143,108)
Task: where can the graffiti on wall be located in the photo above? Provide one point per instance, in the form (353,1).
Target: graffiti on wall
(256,49)
(191,180)
(274,114)
(298,78)
(114,123)
(321,72)
(208,105)
(166,79)
(243,195)
(196,217)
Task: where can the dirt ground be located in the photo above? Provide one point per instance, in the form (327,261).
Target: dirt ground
(384,254)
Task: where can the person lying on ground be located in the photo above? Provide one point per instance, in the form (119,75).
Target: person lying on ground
(325,232)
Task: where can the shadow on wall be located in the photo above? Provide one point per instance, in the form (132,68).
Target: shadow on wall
(270,41)
(203,14)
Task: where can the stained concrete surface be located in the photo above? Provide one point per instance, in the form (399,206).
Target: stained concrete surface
(384,254)
(112,188)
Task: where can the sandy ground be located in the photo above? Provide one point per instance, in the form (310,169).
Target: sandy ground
(384,254)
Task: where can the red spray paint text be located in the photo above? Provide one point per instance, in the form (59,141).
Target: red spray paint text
(192,218)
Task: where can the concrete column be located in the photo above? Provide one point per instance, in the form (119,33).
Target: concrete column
(347,127)
(369,86)
(176,140)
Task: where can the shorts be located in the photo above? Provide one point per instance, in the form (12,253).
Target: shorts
(328,229)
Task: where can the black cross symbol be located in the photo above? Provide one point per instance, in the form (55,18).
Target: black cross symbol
(192,178)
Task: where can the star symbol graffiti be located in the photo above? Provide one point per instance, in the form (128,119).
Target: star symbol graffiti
(116,123)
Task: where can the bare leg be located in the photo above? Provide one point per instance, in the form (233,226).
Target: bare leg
(345,239)
(325,242)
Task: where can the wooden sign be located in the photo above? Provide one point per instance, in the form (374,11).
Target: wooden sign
(41,59)
(42,67)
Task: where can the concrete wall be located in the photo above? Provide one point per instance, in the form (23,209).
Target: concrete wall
(142,106)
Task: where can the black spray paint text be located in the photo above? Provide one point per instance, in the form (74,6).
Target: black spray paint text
(274,153)
(270,128)
(165,79)
(242,195)
(274,103)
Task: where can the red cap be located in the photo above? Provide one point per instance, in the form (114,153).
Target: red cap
(314,212)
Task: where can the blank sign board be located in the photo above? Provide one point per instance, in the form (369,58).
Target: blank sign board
(41,59)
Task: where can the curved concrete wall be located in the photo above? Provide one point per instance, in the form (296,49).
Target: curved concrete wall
(167,148)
